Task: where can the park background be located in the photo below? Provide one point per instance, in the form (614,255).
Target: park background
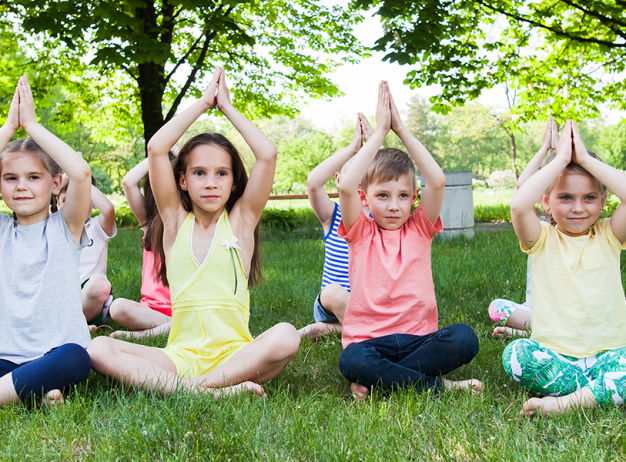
(475,82)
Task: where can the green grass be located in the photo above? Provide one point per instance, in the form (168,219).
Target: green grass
(309,414)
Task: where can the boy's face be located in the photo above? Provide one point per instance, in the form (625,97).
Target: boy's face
(390,202)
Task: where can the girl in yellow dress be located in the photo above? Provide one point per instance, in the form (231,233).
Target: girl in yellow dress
(210,211)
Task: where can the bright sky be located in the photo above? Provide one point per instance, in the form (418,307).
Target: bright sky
(359,83)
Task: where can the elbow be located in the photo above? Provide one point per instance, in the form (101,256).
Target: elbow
(83,174)
(127,183)
(438,183)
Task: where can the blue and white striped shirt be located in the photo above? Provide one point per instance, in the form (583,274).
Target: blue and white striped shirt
(336,259)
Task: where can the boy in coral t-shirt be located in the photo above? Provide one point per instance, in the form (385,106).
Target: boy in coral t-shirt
(390,335)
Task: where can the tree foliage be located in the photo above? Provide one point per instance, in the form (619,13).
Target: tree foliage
(147,56)
(564,57)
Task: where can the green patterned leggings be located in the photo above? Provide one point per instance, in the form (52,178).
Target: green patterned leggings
(545,372)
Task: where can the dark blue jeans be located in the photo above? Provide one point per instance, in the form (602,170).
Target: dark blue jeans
(59,368)
(402,359)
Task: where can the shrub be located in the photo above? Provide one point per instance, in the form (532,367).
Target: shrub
(502,179)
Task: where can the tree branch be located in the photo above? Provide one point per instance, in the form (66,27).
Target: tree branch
(181,94)
(592,13)
(181,61)
(559,32)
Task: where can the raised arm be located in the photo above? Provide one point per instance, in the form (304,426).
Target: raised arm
(525,221)
(610,177)
(107,210)
(78,198)
(318,197)
(162,178)
(432,195)
(13,121)
(251,204)
(132,192)
(550,141)
(352,175)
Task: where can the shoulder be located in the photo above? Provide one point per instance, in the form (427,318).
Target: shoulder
(418,222)
(362,228)
(602,229)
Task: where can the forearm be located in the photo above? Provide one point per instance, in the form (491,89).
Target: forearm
(135,175)
(613,179)
(6,133)
(424,161)
(531,191)
(261,146)
(532,167)
(353,174)
(163,140)
(76,168)
(328,167)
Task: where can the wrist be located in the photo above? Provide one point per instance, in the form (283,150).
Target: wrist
(401,130)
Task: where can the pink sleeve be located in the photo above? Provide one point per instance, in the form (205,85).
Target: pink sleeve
(361,227)
(420,222)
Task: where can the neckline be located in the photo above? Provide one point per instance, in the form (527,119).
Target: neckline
(193,255)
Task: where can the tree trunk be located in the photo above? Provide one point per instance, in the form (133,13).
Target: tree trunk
(151,90)
(514,155)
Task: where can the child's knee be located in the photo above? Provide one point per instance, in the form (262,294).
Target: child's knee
(334,297)
(99,286)
(500,310)
(353,362)
(76,362)
(467,340)
(119,309)
(286,339)
(99,348)
(513,358)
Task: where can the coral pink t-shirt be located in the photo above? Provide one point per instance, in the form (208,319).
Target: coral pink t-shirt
(391,279)
(153,293)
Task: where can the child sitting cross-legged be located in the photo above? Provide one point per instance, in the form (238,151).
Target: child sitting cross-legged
(390,334)
(96,292)
(576,356)
(330,304)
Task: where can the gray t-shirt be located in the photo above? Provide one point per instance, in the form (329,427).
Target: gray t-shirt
(40,304)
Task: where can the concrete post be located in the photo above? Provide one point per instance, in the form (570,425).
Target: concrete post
(457,212)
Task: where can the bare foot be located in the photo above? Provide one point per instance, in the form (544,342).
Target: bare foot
(476,386)
(126,334)
(313,331)
(242,387)
(549,405)
(92,329)
(509,332)
(359,391)
(53,399)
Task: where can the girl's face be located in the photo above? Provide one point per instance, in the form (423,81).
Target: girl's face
(575,203)
(26,187)
(208,178)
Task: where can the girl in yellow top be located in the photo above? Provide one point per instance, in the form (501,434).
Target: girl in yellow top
(576,355)
(210,213)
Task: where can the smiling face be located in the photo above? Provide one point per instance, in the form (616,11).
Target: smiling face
(390,202)
(575,203)
(26,186)
(208,178)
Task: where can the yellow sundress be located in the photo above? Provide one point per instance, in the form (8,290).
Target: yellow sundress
(210,301)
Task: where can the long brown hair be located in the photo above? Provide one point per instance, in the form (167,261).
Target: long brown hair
(153,226)
(240,180)
(28,146)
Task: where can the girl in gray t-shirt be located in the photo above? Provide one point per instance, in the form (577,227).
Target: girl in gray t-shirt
(43,333)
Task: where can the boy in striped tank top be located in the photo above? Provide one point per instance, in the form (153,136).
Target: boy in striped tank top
(331,302)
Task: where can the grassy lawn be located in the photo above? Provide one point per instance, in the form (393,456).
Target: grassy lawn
(309,414)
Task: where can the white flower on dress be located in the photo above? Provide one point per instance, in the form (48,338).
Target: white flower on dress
(231,243)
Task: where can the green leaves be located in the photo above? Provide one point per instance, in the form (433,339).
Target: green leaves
(562,57)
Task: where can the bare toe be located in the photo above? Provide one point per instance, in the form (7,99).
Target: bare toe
(92,329)
(359,391)
(53,398)
(499,332)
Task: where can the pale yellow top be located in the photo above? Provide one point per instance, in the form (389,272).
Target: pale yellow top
(578,306)
(209,316)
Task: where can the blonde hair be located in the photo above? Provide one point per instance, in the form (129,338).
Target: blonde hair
(389,164)
(572,168)
(28,146)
